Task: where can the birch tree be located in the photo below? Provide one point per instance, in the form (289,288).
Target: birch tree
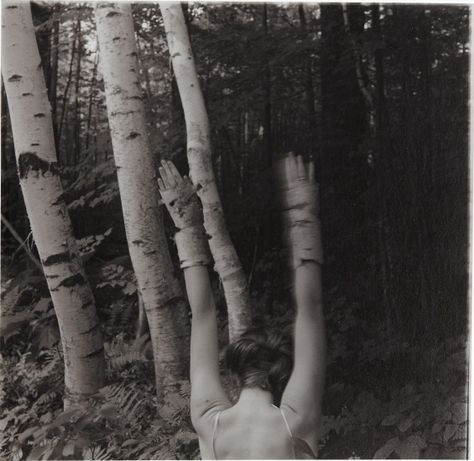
(227,263)
(35,153)
(161,292)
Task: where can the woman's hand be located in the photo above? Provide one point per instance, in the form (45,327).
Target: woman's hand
(300,201)
(179,196)
(300,192)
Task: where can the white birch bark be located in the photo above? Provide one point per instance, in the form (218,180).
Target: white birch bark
(161,292)
(227,263)
(32,127)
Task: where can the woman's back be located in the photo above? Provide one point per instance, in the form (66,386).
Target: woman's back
(240,433)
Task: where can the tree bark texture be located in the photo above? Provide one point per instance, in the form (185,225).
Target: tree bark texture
(33,136)
(163,299)
(227,263)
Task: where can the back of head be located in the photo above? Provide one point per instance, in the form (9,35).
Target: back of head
(262,358)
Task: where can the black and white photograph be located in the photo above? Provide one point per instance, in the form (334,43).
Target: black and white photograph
(235,230)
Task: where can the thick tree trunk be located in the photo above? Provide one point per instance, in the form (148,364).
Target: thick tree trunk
(227,263)
(161,292)
(344,163)
(32,127)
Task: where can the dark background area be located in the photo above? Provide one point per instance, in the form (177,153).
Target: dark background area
(380,102)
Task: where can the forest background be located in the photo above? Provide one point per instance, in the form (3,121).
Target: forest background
(377,95)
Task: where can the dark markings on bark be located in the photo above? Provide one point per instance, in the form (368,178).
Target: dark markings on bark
(29,161)
(137,242)
(57,258)
(15,78)
(133,135)
(94,354)
(171,302)
(113,114)
(172,202)
(132,70)
(115,39)
(34,144)
(40,115)
(138,98)
(199,186)
(87,304)
(27,94)
(11,7)
(52,276)
(90,330)
(175,54)
(133,53)
(59,200)
(151,252)
(209,236)
(112,13)
(69,282)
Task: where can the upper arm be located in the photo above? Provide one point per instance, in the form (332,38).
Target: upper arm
(207,392)
(303,393)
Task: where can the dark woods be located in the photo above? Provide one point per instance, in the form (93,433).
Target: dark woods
(377,96)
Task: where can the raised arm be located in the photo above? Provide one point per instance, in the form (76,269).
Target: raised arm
(183,205)
(303,394)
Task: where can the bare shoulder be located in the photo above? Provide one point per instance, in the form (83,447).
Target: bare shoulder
(304,427)
(203,417)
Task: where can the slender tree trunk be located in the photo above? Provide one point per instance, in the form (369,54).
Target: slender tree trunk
(383,229)
(227,263)
(91,100)
(32,127)
(77,108)
(54,65)
(161,292)
(309,89)
(68,84)
(53,77)
(267,123)
(144,70)
(41,13)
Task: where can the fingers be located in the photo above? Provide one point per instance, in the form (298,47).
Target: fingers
(169,174)
(174,172)
(291,169)
(161,184)
(311,172)
(164,179)
(301,172)
(296,170)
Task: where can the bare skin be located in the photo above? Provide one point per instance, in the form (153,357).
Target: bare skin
(253,428)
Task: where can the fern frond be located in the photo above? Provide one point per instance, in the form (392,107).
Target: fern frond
(120,361)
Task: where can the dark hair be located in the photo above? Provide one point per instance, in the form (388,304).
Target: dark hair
(262,358)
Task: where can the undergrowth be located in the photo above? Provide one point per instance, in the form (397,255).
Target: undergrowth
(384,398)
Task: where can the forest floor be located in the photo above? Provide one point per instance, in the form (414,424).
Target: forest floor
(383,399)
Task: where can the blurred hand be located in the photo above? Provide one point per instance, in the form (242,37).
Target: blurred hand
(300,193)
(300,202)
